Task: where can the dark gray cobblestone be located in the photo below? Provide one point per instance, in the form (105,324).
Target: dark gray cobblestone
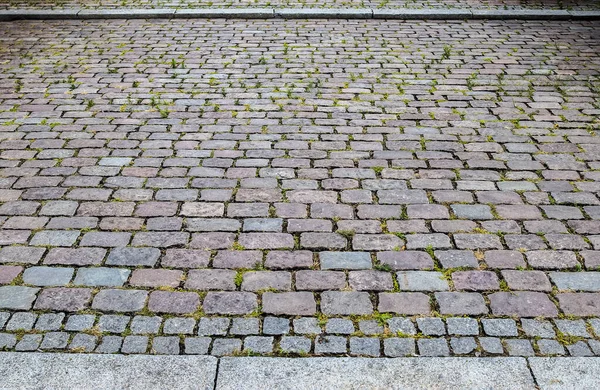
(290,187)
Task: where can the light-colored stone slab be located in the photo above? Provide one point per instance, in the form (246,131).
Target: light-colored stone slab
(360,373)
(577,373)
(81,371)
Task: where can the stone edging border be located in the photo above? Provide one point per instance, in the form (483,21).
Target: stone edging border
(299,13)
(33,370)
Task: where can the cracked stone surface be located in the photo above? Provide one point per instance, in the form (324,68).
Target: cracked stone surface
(371,188)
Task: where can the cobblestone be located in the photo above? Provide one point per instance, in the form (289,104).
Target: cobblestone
(267,194)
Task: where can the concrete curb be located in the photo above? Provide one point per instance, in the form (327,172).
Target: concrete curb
(35,370)
(300,13)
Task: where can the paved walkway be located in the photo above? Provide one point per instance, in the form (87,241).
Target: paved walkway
(294,188)
(419,4)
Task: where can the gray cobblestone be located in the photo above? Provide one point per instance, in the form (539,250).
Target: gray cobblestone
(433,347)
(178,325)
(295,344)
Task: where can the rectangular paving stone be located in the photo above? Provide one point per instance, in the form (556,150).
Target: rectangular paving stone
(173,302)
(120,300)
(48,276)
(579,304)
(576,281)
(230,303)
(133,257)
(345,303)
(63,299)
(55,238)
(404,303)
(21,254)
(109,371)
(75,256)
(17,297)
(442,373)
(421,281)
(345,260)
(289,303)
(522,304)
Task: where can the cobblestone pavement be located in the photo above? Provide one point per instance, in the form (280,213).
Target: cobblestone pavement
(300,187)
(490,4)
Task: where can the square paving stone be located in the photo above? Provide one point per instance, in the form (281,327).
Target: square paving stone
(197,345)
(109,344)
(522,304)
(258,344)
(577,328)
(433,347)
(29,342)
(213,326)
(330,345)
(178,325)
(223,347)
(457,259)
(231,303)
(431,326)
(399,347)
(550,347)
(339,326)
(145,325)
(47,276)
(400,325)
(49,321)
(306,325)
(364,346)
(538,328)
(165,345)
(55,340)
(462,345)
(491,345)
(499,327)
(295,344)
(370,327)
(7,340)
(21,321)
(244,326)
(80,322)
(518,347)
(276,326)
(135,344)
(580,348)
(462,326)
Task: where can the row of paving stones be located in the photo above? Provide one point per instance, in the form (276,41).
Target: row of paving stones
(505,303)
(182,4)
(309,280)
(386,336)
(340,240)
(397,259)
